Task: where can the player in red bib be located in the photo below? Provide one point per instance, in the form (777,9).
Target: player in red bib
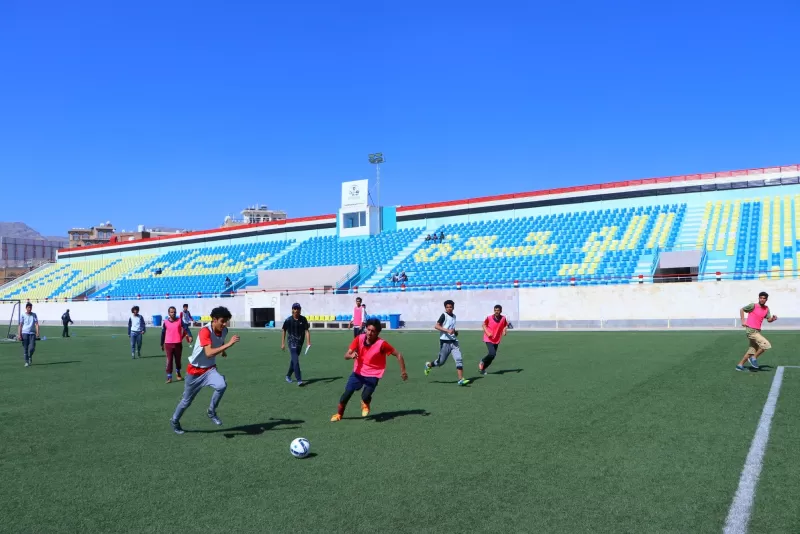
(494,328)
(369,353)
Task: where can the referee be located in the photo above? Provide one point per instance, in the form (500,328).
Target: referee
(294,327)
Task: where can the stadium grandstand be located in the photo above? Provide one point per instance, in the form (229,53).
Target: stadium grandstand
(724,226)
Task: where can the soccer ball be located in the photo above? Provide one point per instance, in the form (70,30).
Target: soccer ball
(300,448)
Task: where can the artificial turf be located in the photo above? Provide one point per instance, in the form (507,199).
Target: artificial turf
(570,432)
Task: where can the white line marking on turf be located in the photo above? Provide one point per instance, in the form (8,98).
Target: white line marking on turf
(739,513)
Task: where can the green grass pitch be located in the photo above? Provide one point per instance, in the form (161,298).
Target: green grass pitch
(570,432)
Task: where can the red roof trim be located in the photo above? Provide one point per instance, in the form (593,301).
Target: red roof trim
(611,185)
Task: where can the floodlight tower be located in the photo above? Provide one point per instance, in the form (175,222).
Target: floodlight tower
(376,159)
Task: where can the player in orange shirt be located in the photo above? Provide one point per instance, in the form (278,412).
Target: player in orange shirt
(369,353)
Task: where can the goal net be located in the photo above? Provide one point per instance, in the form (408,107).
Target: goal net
(10,314)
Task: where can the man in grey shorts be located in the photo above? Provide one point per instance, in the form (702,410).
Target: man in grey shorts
(28,332)
(448,343)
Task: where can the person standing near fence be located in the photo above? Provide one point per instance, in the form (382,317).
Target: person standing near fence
(294,328)
(66,320)
(28,332)
(136,330)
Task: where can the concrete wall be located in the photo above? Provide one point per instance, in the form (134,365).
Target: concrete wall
(263,299)
(688,305)
(316,277)
(117,311)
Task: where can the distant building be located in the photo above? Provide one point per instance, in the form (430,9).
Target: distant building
(144,233)
(256,214)
(21,253)
(96,235)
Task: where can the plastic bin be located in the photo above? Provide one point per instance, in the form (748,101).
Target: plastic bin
(156,320)
(394,321)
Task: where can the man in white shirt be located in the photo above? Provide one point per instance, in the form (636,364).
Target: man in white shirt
(448,343)
(28,332)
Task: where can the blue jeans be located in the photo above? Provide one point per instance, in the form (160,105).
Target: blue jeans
(294,365)
(28,346)
(136,343)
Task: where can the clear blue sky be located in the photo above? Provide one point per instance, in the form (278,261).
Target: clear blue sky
(180,112)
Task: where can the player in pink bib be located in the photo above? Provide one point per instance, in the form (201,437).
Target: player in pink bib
(173,333)
(494,328)
(756,313)
(369,353)
(359,318)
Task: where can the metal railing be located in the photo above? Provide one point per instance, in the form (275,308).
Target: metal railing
(654,264)
(348,275)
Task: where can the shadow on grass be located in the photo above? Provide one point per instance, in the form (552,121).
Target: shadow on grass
(58,363)
(327,380)
(506,371)
(761,369)
(388,416)
(253,430)
(471,379)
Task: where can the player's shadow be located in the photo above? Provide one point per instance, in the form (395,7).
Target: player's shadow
(157,356)
(471,380)
(761,368)
(57,363)
(255,429)
(388,416)
(327,380)
(505,371)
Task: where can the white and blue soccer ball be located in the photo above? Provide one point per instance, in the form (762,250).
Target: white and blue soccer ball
(300,448)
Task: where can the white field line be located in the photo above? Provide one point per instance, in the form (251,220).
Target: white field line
(742,505)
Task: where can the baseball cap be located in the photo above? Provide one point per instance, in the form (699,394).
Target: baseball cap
(296,306)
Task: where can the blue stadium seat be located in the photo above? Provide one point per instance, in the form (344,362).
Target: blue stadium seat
(541,250)
(193,271)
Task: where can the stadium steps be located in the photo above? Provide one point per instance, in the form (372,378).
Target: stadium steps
(644,266)
(687,238)
(717,261)
(377,276)
(251,278)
